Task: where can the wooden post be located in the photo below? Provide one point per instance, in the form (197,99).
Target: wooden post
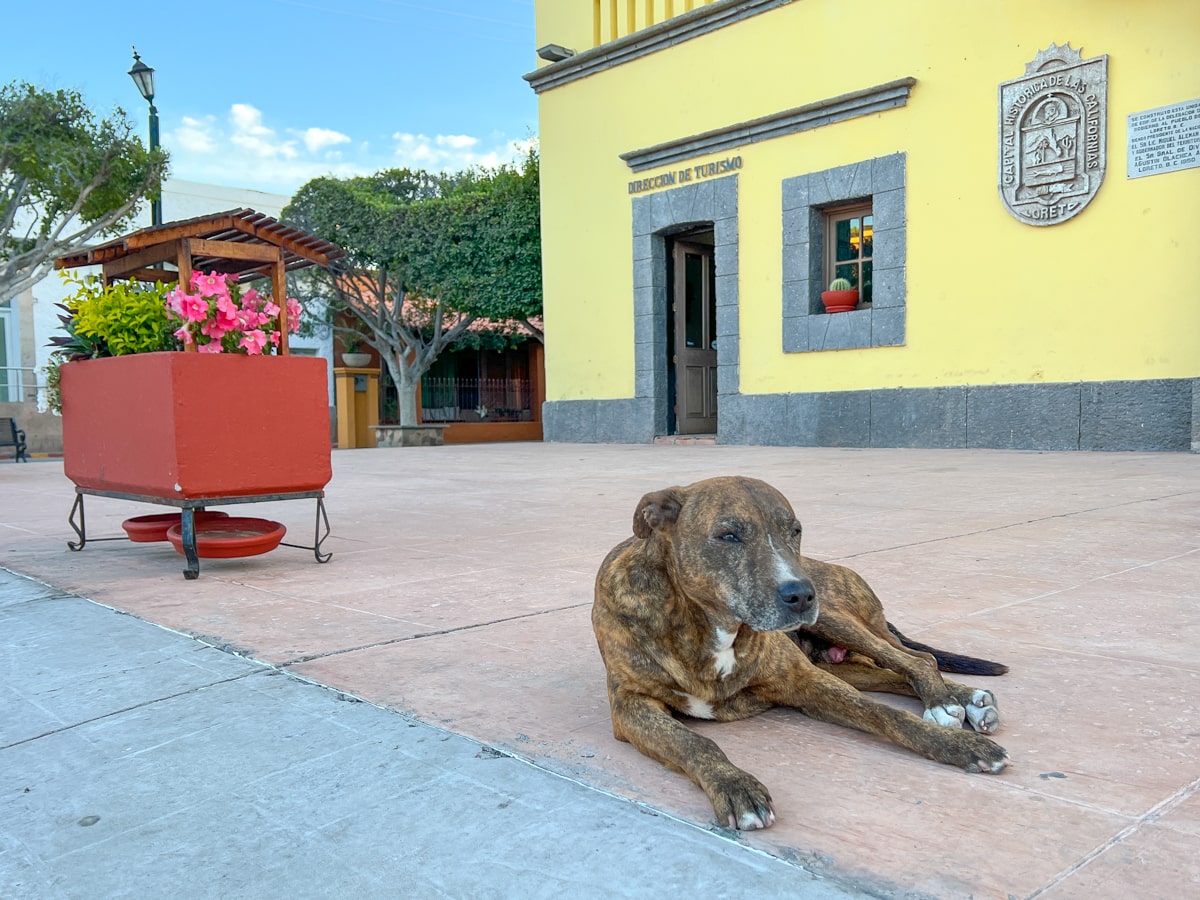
(183,262)
(279,295)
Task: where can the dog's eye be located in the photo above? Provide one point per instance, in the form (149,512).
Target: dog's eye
(729,537)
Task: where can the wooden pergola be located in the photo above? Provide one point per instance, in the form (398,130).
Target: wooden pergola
(239,242)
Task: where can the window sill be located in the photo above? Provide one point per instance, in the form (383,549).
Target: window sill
(857,329)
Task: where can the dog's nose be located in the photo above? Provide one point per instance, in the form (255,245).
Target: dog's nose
(797,596)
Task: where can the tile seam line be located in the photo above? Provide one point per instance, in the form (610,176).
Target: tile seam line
(142,705)
(424,634)
(1057,591)
(1067,515)
(1149,817)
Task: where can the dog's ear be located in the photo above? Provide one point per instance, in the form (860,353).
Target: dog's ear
(655,510)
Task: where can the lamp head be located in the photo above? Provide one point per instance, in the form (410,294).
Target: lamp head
(143,77)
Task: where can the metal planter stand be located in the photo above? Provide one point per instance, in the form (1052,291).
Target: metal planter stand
(187,517)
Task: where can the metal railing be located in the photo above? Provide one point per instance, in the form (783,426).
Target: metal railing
(476,400)
(21,384)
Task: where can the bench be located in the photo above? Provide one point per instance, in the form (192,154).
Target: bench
(12,436)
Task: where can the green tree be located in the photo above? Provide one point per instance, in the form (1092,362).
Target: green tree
(65,178)
(427,255)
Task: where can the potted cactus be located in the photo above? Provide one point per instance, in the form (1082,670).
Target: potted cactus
(841,296)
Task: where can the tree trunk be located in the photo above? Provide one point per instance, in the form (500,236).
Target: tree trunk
(406,388)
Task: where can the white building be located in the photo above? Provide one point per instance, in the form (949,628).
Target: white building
(28,321)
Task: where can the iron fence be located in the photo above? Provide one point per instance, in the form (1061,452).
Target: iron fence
(476,400)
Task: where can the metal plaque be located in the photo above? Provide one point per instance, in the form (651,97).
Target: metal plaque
(1053,122)
(1166,139)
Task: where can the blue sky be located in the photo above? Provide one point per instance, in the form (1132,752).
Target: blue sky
(266,94)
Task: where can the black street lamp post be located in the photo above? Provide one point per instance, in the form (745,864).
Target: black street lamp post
(143,77)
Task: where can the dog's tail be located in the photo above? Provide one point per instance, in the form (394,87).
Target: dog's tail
(952,662)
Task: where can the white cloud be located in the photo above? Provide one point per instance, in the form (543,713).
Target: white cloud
(242,149)
(251,135)
(452,152)
(195,135)
(316,139)
(457,141)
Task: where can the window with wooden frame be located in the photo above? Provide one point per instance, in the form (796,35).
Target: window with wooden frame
(849,234)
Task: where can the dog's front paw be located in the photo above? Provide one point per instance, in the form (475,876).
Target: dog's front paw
(982,712)
(740,801)
(948,715)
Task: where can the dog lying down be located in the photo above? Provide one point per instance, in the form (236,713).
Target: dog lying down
(709,610)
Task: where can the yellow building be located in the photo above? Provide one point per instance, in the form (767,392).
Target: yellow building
(1009,187)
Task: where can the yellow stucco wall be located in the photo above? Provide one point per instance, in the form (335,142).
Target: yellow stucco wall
(1108,295)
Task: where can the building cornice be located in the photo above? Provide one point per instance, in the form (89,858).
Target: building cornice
(800,118)
(649,40)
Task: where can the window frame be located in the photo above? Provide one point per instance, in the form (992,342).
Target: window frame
(806,327)
(840,213)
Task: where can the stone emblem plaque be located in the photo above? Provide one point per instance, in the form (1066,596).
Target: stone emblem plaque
(1053,122)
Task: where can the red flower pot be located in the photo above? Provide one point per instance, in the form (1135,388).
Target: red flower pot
(195,425)
(839,301)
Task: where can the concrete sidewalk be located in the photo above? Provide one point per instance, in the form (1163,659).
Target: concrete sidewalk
(138,762)
(458,596)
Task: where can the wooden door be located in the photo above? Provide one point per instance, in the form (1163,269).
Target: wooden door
(695,315)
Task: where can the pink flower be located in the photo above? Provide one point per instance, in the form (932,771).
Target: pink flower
(293,314)
(193,308)
(275,338)
(250,319)
(211,347)
(213,330)
(209,284)
(253,342)
(270,310)
(184,334)
(227,314)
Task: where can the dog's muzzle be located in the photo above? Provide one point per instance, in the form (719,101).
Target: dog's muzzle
(797,602)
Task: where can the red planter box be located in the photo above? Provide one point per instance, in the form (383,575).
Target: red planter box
(195,425)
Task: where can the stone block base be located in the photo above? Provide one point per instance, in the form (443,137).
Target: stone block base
(408,435)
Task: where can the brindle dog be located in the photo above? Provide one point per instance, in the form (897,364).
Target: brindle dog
(710,611)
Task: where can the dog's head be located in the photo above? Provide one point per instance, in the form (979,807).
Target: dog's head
(732,543)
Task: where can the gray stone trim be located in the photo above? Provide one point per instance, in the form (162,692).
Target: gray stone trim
(801,118)
(666,34)
(655,218)
(624,421)
(807,328)
(1147,415)
(1196,415)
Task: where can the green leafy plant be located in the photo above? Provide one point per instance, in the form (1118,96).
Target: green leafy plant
(124,317)
(115,320)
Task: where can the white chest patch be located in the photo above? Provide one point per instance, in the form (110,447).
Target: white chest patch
(724,659)
(695,707)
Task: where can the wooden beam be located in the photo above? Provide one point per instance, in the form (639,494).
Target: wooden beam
(234,250)
(281,236)
(153,275)
(139,260)
(182,230)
